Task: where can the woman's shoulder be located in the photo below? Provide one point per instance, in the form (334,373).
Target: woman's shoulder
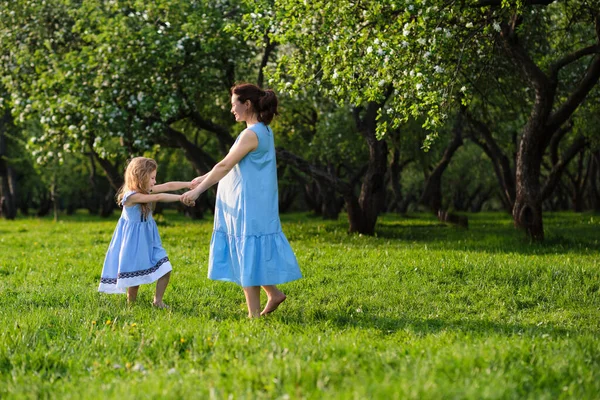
(259,127)
(260,130)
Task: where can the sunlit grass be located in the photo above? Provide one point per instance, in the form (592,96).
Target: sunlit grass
(421,310)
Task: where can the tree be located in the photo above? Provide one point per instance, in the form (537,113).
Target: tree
(428,54)
(8,195)
(113,79)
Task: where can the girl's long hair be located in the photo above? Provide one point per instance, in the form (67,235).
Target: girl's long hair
(264,102)
(136,178)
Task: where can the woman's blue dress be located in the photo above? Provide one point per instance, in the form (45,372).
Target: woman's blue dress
(248,246)
(135,254)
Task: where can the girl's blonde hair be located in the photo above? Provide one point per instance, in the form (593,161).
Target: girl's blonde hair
(136,178)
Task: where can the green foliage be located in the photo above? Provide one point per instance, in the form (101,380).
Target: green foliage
(108,74)
(418,311)
(358,53)
(427,53)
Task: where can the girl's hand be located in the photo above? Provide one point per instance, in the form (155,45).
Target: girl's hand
(187,202)
(189,198)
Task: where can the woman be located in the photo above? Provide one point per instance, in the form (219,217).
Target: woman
(248,246)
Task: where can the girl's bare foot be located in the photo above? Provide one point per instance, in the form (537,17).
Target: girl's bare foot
(132,292)
(160,305)
(273,303)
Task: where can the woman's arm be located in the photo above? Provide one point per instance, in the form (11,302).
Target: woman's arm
(170,186)
(198,180)
(152,198)
(248,142)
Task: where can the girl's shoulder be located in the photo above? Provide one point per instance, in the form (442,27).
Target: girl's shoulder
(126,195)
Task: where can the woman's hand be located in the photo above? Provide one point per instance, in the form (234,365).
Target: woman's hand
(189,198)
(196,181)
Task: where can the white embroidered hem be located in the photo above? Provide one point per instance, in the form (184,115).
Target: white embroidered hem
(123,283)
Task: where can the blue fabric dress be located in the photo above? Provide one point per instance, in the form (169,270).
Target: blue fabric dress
(248,246)
(135,254)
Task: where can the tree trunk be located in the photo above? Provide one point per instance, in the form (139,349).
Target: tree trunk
(54,196)
(108,203)
(579,182)
(92,203)
(363,214)
(432,193)
(397,203)
(593,181)
(8,201)
(45,204)
(115,178)
(545,120)
(527,210)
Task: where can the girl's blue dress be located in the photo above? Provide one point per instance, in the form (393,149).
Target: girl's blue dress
(248,246)
(135,254)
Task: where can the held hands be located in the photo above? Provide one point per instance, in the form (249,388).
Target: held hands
(187,202)
(189,198)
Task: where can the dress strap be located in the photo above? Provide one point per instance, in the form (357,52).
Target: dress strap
(126,196)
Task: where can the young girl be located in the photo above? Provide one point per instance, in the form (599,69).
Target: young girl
(135,254)
(248,246)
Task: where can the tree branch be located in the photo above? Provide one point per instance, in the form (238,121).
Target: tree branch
(225,139)
(115,178)
(572,57)
(555,140)
(565,111)
(500,162)
(304,166)
(579,144)
(532,72)
(269,48)
(201,160)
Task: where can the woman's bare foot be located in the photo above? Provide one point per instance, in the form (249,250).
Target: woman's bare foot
(160,305)
(273,303)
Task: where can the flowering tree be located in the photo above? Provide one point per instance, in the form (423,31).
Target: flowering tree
(116,77)
(415,58)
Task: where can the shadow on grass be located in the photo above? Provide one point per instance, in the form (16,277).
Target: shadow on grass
(429,326)
(581,239)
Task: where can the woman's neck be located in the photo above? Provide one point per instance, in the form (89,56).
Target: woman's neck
(253,120)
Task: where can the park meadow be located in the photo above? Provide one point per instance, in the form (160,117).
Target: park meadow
(421,310)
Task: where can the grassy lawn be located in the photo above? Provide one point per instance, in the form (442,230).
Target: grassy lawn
(420,311)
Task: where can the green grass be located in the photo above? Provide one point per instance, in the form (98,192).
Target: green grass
(419,311)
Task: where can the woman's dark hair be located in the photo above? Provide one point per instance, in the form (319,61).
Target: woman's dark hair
(264,102)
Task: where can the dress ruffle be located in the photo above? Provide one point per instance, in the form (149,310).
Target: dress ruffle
(236,258)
